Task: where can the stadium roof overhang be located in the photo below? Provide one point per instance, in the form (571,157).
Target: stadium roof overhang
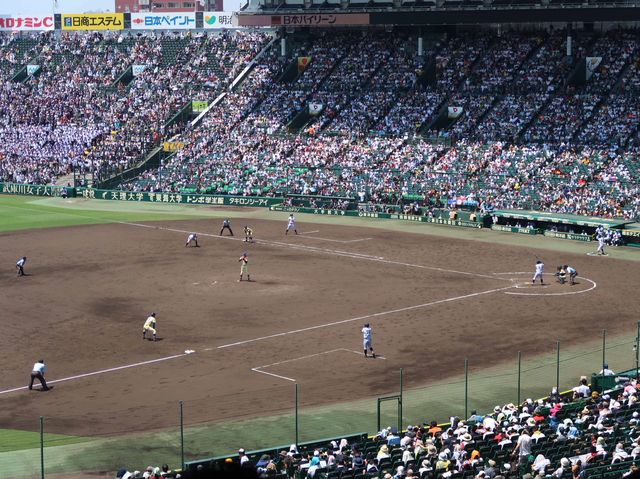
(437,16)
(567,219)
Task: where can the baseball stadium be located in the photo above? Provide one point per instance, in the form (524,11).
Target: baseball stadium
(327,239)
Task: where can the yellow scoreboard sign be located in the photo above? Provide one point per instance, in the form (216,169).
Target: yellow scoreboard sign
(92,21)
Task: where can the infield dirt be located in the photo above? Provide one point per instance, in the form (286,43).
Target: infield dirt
(90,288)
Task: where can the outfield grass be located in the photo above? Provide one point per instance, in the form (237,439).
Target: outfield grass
(11,440)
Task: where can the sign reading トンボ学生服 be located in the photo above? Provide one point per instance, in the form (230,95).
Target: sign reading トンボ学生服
(92,21)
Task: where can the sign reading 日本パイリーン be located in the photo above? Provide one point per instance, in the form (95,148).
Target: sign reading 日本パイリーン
(150,21)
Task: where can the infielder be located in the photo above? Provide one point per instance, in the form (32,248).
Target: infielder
(248,234)
(20,266)
(192,237)
(150,325)
(244,266)
(291,224)
(573,274)
(366,342)
(539,267)
(601,243)
(226,224)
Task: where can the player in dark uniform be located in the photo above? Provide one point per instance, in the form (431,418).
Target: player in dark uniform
(226,224)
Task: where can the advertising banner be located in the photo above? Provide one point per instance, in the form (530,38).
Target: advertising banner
(513,229)
(198,106)
(31,69)
(569,236)
(92,21)
(592,64)
(304,20)
(314,108)
(137,69)
(218,20)
(302,63)
(455,111)
(151,21)
(22,23)
(173,146)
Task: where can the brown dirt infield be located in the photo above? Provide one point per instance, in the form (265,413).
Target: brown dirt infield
(90,288)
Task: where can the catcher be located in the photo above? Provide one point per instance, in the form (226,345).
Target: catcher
(561,273)
(248,234)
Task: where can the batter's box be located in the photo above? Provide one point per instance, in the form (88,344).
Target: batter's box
(299,366)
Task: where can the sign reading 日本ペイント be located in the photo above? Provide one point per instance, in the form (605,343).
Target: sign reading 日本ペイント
(151,21)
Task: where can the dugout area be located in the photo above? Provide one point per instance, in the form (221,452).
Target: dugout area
(432,302)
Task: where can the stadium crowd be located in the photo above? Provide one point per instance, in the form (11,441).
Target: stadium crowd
(526,135)
(576,434)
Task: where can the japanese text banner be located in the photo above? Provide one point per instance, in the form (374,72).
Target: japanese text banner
(92,21)
(26,22)
(151,21)
(304,20)
(218,20)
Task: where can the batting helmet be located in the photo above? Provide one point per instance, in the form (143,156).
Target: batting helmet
(153,314)
(366,325)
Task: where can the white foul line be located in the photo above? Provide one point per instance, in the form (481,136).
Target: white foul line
(98,372)
(359,318)
(259,368)
(336,241)
(308,232)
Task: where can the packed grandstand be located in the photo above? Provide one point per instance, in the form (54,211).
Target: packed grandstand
(531,129)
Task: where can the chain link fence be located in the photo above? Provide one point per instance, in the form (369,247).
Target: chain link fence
(292,413)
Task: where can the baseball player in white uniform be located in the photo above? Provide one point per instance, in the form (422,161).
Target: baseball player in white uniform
(366,342)
(601,243)
(192,237)
(539,267)
(291,224)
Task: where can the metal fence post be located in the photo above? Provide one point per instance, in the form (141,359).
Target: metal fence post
(558,368)
(296,414)
(637,347)
(519,357)
(466,386)
(181,436)
(41,448)
(604,361)
(400,404)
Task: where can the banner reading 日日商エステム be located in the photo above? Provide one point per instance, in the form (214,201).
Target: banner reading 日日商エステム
(92,21)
